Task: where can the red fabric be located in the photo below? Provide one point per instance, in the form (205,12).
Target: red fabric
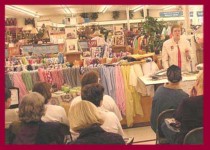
(179,57)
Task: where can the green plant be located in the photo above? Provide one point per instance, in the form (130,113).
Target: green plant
(130,14)
(115,15)
(84,15)
(94,16)
(152,30)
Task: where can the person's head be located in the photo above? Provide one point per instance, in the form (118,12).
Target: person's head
(198,87)
(31,108)
(174,74)
(89,78)
(43,88)
(176,31)
(93,93)
(7,98)
(83,115)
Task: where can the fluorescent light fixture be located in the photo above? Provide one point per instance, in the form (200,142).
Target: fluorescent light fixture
(66,9)
(22,10)
(138,8)
(169,7)
(105,9)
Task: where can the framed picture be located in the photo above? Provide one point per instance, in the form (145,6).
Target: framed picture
(71,45)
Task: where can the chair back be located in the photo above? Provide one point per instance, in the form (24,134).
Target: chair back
(160,138)
(195,136)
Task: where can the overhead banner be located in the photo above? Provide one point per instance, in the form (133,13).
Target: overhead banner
(171,14)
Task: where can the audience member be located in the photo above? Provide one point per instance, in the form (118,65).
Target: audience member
(189,114)
(168,96)
(54,113)
(10,114)
(108,102)
(88,123)
(30,129)
(94,93)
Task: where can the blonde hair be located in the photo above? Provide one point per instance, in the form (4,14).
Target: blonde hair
(32,107)
(83,115)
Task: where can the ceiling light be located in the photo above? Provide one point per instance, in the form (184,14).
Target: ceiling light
(169,7)
(105,9)
(66,9)
(138,8)
(22,10)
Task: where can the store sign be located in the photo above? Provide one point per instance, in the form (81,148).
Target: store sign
(40,49)
(191,14)
(200,13)
(171,14)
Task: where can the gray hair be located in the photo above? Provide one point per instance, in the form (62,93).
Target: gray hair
(32,107)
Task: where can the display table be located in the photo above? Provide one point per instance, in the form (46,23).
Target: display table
(187,82)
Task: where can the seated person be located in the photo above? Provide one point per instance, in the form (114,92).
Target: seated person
(108,102)
(168,96)
(54,113)
(30,129)
(189,114)
(10,114)
(94,93)
(88,123)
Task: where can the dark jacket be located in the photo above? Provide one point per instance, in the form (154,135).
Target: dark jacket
(96,135)
(190,114)
(36,133)
(165,98)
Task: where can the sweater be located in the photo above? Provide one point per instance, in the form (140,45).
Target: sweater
(96,135)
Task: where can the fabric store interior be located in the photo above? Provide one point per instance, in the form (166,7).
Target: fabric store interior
(135,52)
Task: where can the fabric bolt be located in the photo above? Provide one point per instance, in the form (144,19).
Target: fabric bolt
(11,78)
(48,76)
(112,77)
(139,73)
(35,77)
(26,77)
(8,81)
(120,94)
(132,98)
(66,76)
(136,96)
(128,96)
(41,74)
(18,82)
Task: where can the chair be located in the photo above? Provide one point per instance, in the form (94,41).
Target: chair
(195,136)
(160,138)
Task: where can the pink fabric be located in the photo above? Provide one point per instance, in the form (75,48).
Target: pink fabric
(18,82)
(57,76)
(41,74)
(120,94)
